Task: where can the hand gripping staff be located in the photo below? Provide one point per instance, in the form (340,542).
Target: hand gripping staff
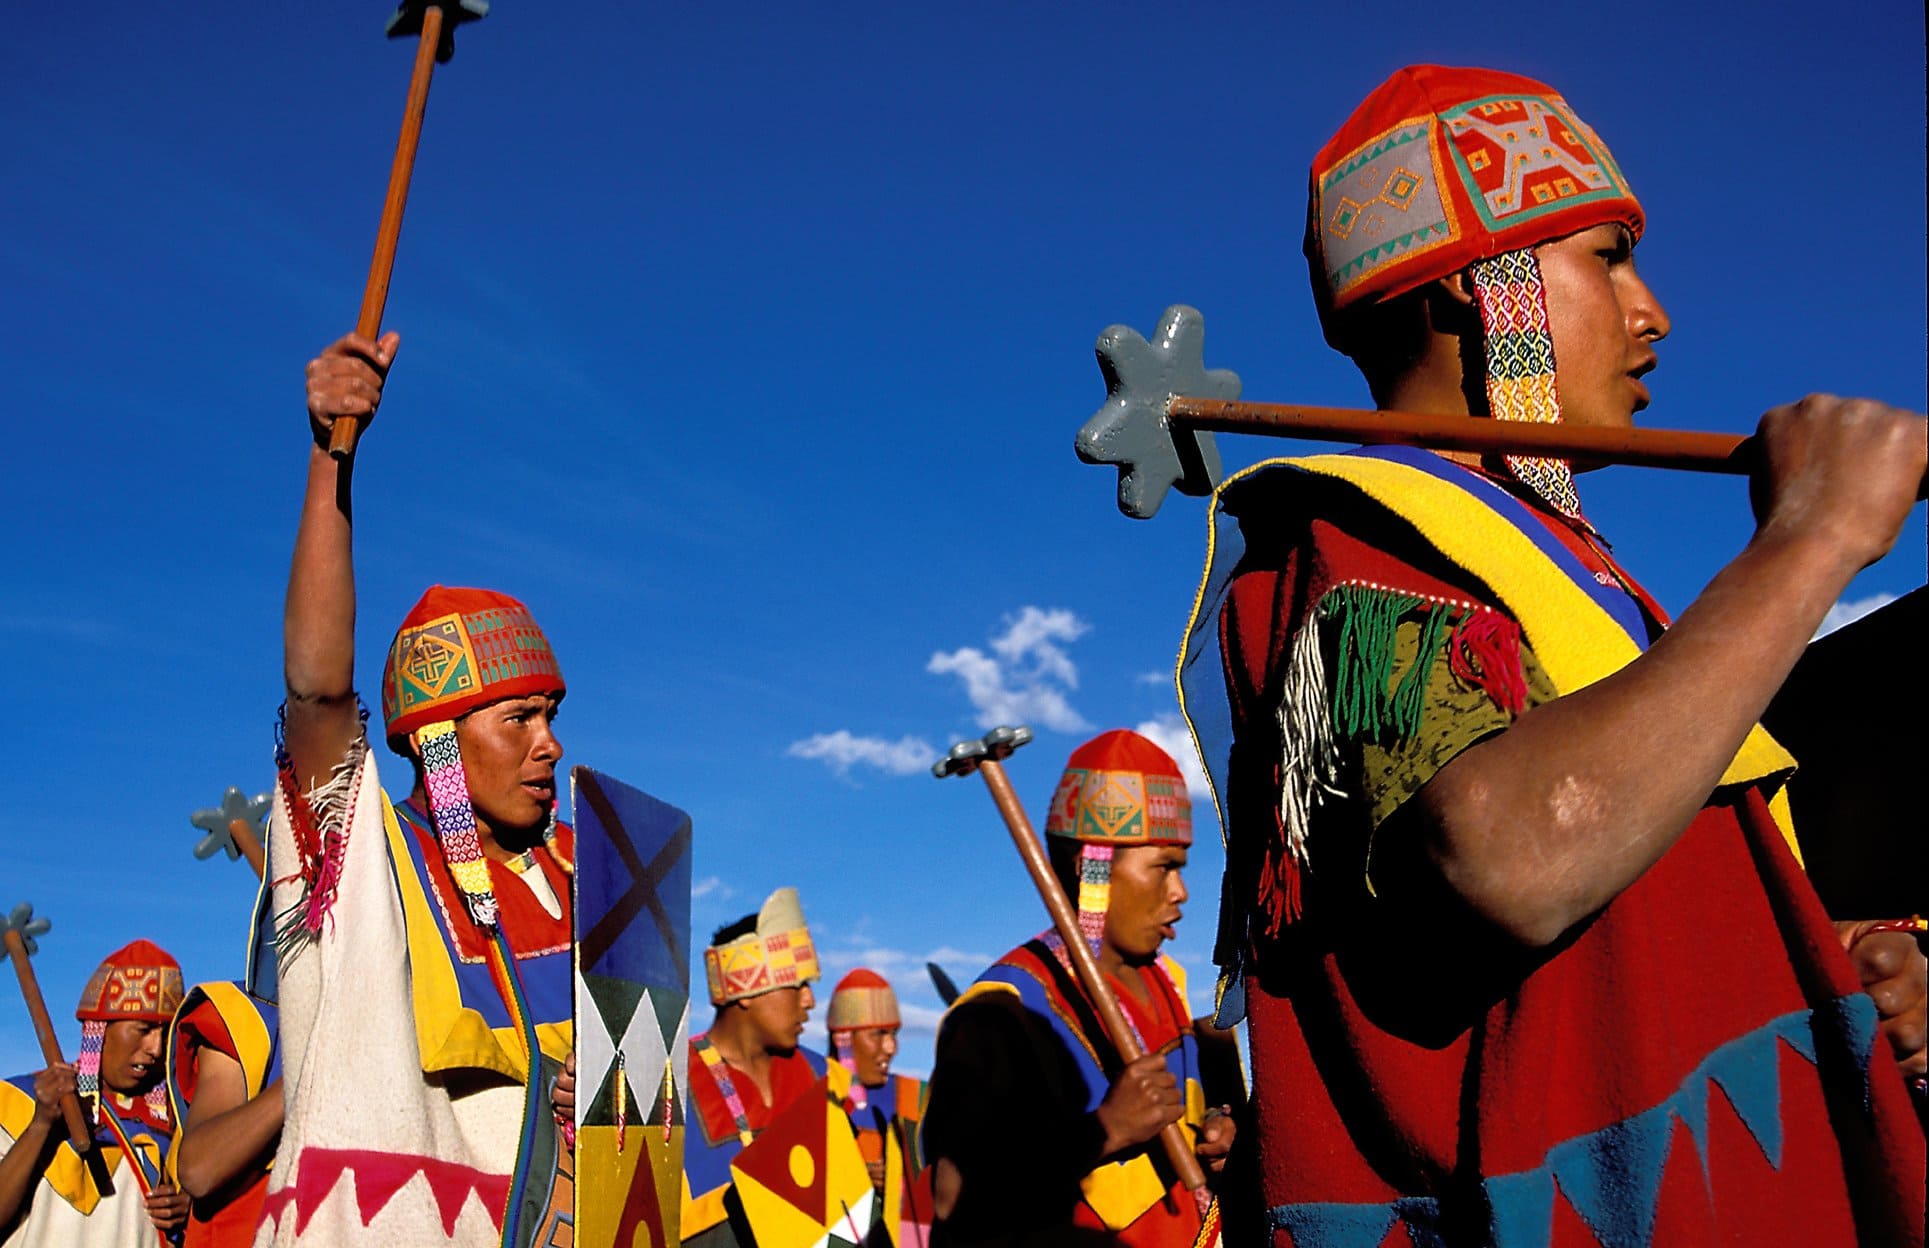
(1163,405)
(986,757)
(234,825)
(19,930)
(435,21)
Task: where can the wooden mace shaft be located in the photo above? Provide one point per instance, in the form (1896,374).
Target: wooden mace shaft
(244,840)
(1645,448)
(78,1135)
(341,438)
(1650,448)
(1084,964)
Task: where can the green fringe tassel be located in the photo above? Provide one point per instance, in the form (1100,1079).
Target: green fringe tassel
(1366,704)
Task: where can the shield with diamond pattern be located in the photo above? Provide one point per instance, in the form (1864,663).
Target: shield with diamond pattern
(632,1012)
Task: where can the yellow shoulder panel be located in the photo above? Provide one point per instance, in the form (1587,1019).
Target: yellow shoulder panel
(1576,641)
(450,1035)
(254,1046)
(66,1174)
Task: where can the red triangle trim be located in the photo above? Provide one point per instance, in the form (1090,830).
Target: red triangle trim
(378,1176)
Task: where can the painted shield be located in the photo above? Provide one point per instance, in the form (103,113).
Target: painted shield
(802,1181)
(632,1012)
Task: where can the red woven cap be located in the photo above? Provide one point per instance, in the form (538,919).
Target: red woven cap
(1120,788)
(1440,167)
(139,981)
(459,649)
(862,999)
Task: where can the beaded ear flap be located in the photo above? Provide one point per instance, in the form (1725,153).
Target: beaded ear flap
(1094,891)
(1520,366)
(454,817)
(93,1035)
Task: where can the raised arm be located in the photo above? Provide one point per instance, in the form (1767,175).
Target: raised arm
(1545,823)
(318,621)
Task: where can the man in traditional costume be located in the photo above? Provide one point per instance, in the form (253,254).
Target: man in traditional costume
(1524,950)
(54,1197)
(1038,1133)
(748,1067)
(885,1109)
(224,1089)
(422,960)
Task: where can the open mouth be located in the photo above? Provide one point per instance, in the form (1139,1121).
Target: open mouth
(1635,375)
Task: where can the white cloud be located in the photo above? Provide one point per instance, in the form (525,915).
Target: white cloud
(918,1000)
(843,751)
(920,1018)
(712,884)
(1848,611)
(1156,678)
(1027,675)
(1169,733)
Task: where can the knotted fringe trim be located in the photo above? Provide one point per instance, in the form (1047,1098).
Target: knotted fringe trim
(1364,707)
(1481,647)
(1309,771)
(1484,653)
(319,819)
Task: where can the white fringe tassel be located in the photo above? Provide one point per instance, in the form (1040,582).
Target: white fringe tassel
(1309,764)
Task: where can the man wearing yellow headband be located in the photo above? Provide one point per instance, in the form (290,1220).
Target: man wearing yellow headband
(421,949)
(1510,908)
(748,1067)
(1036,1131)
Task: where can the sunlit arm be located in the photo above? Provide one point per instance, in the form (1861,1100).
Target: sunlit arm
(318,620)
(227,1136)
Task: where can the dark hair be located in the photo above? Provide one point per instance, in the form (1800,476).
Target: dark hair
(1063,852)
(1383,338)
(730,931)
(1387,338)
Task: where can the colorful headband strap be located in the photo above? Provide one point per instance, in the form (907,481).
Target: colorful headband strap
(1520,366)
(454,817)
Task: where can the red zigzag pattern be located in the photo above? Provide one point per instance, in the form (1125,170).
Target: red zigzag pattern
(378,1176)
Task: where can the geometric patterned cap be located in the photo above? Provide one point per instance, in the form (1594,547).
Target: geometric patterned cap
(1121,789)
(862,999)
(1440,167)
(460,649)
(779,953)
(138,981)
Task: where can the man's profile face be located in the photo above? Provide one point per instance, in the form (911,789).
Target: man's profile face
(130,1056)
(509,757)
(1148,896)
(873,1048)
(777,1017)
(1605,322)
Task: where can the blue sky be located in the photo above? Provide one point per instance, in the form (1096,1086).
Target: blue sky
(746,344)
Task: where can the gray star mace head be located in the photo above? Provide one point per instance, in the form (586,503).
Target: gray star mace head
(1132,430)
(23,921)
(218,821)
